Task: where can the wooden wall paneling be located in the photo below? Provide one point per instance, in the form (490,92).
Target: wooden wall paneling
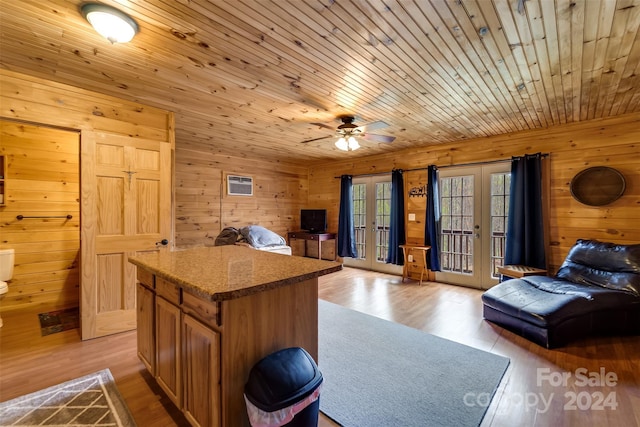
(416,205)
(197,194)
(612,142)
(46,172)
(88,116)
(277,199)
(203,207)
(258,74)
(324,193)
(43,180)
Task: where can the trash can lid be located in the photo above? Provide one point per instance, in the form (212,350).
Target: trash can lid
(282,378)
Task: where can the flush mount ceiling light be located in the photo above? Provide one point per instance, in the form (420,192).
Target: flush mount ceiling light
(109,22)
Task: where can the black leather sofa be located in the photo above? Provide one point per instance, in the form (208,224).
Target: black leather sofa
(596,291)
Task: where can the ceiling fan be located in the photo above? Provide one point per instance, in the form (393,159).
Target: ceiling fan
(348,133)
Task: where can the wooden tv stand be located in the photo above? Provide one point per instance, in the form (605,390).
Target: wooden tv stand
(316,237)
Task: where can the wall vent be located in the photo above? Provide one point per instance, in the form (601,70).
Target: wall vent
(239,185)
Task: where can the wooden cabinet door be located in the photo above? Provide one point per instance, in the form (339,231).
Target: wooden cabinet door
(125,209)
(146,302)
(169,346)
(201,366)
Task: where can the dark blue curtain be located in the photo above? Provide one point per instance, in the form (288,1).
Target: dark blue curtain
(525,232)
(396,230)
(346,230)
(432,228)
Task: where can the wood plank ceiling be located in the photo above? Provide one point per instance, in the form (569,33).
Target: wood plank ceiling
(251,77)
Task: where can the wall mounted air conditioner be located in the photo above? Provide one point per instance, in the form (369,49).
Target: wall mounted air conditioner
(239,185)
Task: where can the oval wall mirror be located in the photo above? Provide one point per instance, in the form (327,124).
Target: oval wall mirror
(597,186)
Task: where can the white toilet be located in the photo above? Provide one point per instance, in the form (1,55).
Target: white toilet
(7,258)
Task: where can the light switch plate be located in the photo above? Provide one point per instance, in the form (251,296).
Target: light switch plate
(412,217)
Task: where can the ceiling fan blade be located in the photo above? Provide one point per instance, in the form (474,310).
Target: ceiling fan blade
(317,139)
(379,138)
(323,125)
(373,126)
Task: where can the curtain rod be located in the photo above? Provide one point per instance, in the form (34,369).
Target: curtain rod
(489,162)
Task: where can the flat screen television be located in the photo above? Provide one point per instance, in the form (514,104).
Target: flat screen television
(313,220)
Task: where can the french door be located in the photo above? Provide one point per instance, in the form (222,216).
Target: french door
(372,219)
(474,205)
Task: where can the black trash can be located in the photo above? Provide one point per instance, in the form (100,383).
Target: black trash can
(284,390)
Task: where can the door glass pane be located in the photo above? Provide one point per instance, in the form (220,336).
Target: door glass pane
(383,219)
(500,185)
(456,253)
(360,218)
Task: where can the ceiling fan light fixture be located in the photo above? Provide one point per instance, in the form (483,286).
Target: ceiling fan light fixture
(342,144)
(109,22)
(348,134)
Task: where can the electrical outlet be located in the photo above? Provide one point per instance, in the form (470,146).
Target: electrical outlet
(412,217)
(410,257)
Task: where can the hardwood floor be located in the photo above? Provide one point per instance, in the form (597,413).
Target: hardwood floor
(526,397)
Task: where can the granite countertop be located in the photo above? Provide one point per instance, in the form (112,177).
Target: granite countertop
(225,272)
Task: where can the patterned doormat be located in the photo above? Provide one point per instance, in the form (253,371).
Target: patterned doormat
(59,320)
(92,400)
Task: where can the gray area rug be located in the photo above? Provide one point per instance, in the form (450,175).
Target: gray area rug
(380,373)
(92,400)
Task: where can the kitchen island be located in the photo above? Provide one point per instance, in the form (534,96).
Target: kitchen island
(207,315)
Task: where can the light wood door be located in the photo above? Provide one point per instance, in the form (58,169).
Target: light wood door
(126,210)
